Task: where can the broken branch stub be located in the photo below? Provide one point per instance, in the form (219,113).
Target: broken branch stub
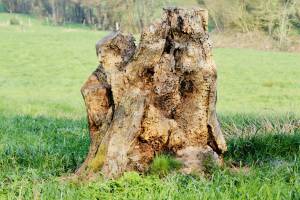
(159,97)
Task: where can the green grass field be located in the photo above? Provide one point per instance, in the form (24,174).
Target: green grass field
(44,135)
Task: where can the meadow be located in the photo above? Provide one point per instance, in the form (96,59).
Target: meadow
(44,135)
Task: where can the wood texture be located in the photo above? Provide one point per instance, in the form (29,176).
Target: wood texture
(159,97)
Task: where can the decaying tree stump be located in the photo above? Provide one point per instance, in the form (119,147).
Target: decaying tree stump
(159,97)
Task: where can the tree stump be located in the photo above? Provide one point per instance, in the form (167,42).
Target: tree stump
(159,97)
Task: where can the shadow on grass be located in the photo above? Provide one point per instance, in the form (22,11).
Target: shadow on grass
(264,148)
(259,139)
(56,146)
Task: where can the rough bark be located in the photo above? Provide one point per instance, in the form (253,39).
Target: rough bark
(155,98)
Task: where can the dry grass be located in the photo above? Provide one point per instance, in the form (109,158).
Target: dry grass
(253,40)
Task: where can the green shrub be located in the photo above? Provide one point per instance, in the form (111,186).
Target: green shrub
(14,21)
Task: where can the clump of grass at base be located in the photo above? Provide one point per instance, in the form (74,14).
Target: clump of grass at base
(164,164)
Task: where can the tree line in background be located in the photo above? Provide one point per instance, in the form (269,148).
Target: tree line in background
(103,14)
(278,18)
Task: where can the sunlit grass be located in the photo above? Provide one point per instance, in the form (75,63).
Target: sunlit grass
(43,67)
(262,164)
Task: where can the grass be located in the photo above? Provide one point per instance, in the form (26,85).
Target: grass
(258,82)
(35,151)
(43,67)
(44,135)
(164,164)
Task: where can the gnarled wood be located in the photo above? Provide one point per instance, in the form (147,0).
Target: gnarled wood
(158,97)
